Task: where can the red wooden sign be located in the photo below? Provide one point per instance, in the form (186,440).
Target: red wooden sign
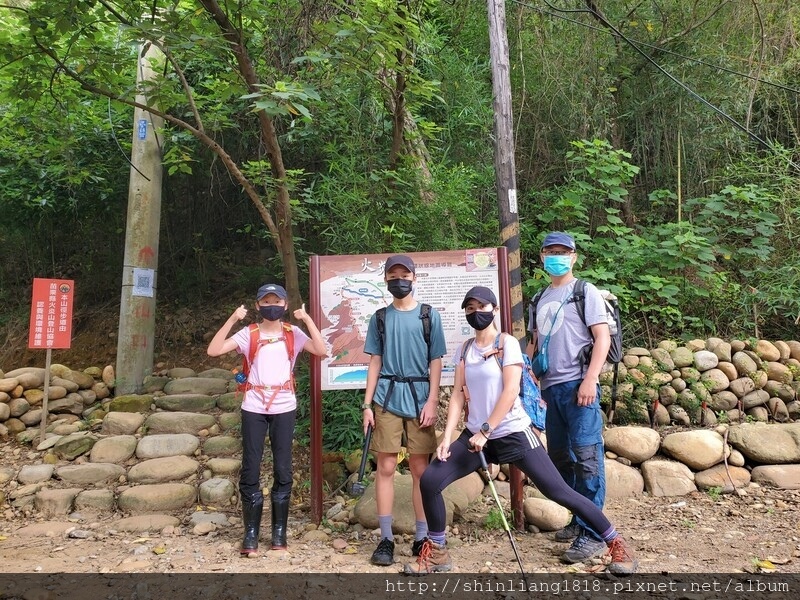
(51,313)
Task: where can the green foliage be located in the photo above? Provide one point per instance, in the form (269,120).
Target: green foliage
(283,99)
(632,407)
(493,519)
(715,493)
(671,278)
(713,252)
(739,222)
(341,415)
(347,212)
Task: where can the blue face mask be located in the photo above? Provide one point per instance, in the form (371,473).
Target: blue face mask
(557,265)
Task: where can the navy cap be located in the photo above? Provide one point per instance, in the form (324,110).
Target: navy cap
(558,238)
(482,294)
(399,259)
(271,288)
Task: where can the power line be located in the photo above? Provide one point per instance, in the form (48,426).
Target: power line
(657,48)
(725,116)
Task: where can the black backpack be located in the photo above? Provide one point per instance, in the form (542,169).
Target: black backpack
(424,315)
(380,321)
(614,325)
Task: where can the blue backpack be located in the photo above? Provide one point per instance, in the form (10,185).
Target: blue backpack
(529,393)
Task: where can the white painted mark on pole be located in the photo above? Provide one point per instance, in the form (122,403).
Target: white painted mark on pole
(512,201)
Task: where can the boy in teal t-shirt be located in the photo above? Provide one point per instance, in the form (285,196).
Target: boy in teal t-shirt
(403,383)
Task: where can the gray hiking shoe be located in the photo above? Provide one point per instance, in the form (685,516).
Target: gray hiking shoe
(583,548)
(384,553)
(568,533)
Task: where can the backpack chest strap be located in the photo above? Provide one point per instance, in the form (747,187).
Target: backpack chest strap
(262,390)
(393,379)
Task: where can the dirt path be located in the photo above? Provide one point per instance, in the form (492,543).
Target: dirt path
(690,534)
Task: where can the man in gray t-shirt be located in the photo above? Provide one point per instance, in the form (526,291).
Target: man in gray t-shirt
(571,384)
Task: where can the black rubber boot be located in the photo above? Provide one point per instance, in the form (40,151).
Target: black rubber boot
(251,515)
(280,515)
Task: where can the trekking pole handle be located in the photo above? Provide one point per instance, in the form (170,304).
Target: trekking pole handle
(484,466)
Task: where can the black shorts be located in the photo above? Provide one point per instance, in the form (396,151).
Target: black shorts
(507,449)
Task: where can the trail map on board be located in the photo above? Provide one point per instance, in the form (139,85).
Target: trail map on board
(352,289)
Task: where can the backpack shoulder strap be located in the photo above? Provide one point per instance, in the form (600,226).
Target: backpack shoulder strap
(288,339)
(498,354)
(496,351)
(380,322)
(425,316)
(534,305)
(579,296)
(252,347)
(465,348)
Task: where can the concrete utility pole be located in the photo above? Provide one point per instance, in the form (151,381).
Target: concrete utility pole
(506,187)
(138,301)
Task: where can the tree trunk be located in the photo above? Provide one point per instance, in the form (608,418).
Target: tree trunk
(282,233)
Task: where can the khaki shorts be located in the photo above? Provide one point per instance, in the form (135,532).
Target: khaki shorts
(388,434)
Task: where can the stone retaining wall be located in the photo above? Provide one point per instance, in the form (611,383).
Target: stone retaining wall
(710,381)
(177,445)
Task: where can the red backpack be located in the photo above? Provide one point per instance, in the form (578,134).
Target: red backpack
(247,361)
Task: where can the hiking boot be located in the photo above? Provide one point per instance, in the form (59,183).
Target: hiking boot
(568,533)
(623,562)
(384,553)
(416,546)
(433,558)
(280,516)
(583,548)
(251,517)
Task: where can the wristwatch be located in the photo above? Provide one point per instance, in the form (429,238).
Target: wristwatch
(366,406)
(486,430)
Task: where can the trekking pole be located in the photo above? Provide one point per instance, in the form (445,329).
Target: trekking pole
(614,382)
(358,487)
(485,468)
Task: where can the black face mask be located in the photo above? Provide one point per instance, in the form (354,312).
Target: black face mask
(399,288)
(272,312)
(480,320)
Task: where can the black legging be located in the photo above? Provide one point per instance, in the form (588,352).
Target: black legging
(281,433)
(535,463)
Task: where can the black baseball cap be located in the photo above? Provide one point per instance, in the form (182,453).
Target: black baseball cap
(399,259)
(482,294)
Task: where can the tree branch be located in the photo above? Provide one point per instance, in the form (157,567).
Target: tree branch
(187,90)
(206,140)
